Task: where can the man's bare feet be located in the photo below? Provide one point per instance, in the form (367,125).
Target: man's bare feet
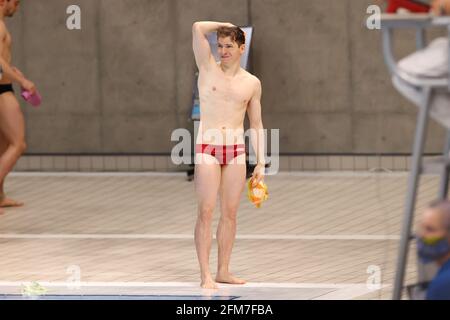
(9,203)
(229,278)
(208,283)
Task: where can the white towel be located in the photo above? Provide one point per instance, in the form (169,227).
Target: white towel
(440,100)
(431,62)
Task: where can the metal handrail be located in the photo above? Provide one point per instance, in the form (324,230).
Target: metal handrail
(419,22)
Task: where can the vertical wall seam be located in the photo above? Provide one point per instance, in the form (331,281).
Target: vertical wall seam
(350,92)
(249,12)
(250,23)
(173,9)
(97,26)
(23,61)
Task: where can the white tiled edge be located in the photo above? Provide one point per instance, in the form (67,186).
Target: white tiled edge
(165,164)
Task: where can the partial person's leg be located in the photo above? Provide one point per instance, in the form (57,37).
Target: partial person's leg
(232,186)
(207,182)
(12,127)
(3,148)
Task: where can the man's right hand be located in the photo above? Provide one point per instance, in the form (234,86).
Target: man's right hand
(28,86)
(228,25)
(441,7)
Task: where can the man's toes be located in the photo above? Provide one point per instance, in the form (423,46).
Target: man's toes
(230,280)
(209,285)
(8,203)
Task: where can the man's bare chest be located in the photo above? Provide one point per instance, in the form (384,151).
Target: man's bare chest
(217,89)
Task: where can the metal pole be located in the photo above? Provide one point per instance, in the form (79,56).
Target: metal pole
(420,38)
(443,189)
(419,142)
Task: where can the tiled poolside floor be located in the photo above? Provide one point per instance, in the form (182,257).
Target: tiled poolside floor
(320,236)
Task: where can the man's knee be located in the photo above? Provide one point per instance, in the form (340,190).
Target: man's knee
(23,147)
(20,147)
(229,213)
(206,213)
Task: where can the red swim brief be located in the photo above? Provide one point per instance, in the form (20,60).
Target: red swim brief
(223,154)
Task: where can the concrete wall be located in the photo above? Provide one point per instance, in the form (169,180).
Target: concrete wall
(124,82)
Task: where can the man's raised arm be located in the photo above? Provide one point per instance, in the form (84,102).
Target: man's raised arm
(202,50)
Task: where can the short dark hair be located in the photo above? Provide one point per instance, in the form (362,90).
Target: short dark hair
(442,206)
(236,34)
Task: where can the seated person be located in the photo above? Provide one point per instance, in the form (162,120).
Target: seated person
(432,61)
(429,63)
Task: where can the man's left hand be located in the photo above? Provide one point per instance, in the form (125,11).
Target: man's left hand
(258,174)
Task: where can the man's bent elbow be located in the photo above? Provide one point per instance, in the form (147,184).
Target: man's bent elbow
(196,27)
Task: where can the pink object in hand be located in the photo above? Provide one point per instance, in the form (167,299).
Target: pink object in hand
(34,99)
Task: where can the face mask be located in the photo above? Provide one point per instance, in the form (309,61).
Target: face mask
(431,249)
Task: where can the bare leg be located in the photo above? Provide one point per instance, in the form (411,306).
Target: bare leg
(207,182)
(232,185)
(12,127)
(3,147)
